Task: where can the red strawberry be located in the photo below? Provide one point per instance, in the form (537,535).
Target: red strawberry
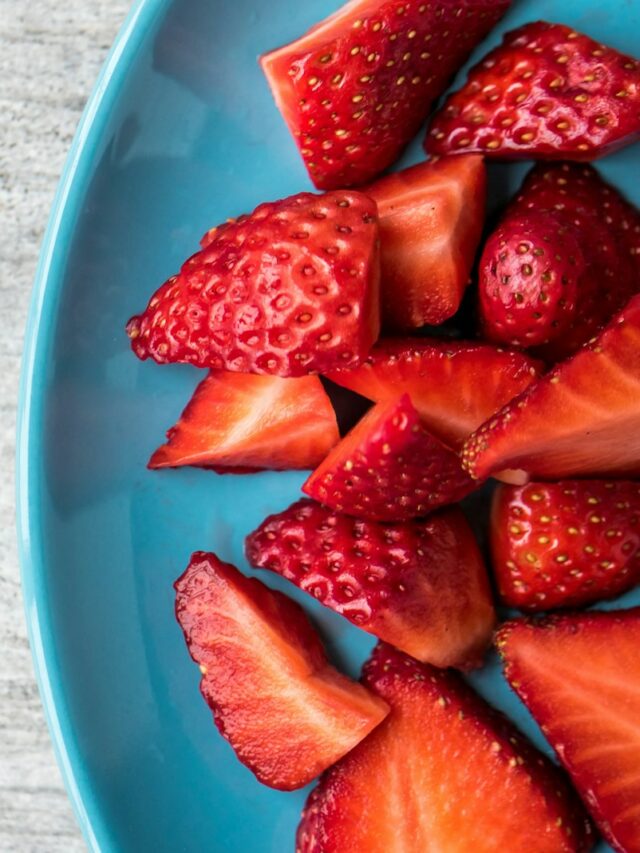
(582,418)
(530,275)
(237,420)
(389,468)
(547,92)
(565,544)
(454,385)
(290,289)
(444,772)
(356,88)
(579,675)
(420,585)
(284,709)
(431,218)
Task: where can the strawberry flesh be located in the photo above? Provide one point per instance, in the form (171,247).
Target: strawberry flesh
(291,289)
(579,675)
(245,421)
(443,772)
(356,88)
(420,585)
(389,468)
(287,713)
(546,92)
(565,544)
(581,419)
(454,385)
(431,219)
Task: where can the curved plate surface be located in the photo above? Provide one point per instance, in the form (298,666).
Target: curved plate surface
(180,133)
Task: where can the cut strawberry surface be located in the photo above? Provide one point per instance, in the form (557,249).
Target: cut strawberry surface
(545,92)
(389,468)
(237,420)
(444,772)
(431,219)
(565,544)
(579,675)
(420,585)
(454,385)
(287,713)
(581,419)
(356,88)
(291,289)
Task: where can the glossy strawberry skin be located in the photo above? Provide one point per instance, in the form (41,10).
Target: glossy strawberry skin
(283,708)
(578,674)
(420,585)
(443,772)
(431,220)
(454,385)
(580,419)
(389,468)
(565,544)
(289,290)
(547,92)
(355,89)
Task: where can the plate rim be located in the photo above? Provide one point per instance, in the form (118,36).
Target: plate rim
(45,294)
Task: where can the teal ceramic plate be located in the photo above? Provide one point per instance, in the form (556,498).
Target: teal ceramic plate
(180,133)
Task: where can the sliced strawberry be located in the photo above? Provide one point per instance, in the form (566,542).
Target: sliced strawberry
(420,585)
(531,271)
(356,88)
(565,544)
(582,418)
(289,290)
(389,468)
(284,709)
(444,772)
(546,92)
(237,420)
(579,675)
(431,219)
(454,385)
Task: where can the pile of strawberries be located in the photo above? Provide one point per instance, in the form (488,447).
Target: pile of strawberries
(542,392)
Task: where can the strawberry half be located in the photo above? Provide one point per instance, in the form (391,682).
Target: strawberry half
(389,468)
(565,544)
(546,92)
(356,88)
(581,419)
(420,585)
(454,385)
(579,675)
(443,772)
(237,420)
(290,289)
(287,713)
(431,219)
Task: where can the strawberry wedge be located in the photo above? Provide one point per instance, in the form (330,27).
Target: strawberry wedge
(283,708)
(237,420)
(581,419)
(356,88)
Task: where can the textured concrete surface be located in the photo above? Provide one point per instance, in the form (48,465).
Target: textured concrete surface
(50,54)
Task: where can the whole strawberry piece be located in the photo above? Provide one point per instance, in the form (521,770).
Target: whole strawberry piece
(565,544)
(579,675)
(545,92)
(581,419)
(287,713)
(389,468)
(355,89)
(454,385)
(420,585)
(443,772)
(530,274)
(289,290)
